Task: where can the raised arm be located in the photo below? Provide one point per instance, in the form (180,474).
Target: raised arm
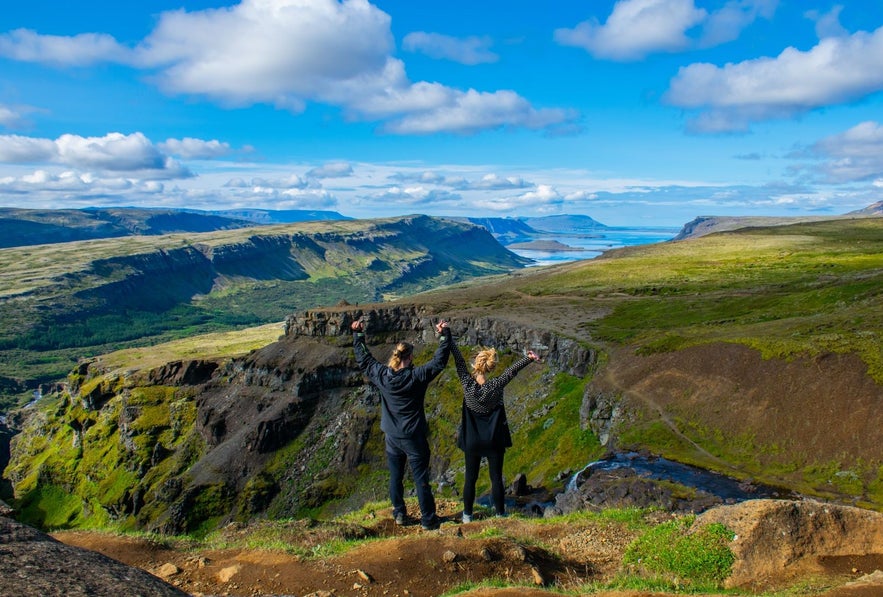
(367,362)
(439,360)
(459,361)
(513,369)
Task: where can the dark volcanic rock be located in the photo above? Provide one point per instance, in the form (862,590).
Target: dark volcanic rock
(33,564)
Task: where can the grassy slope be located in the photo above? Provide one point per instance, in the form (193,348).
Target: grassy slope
(805,289)
(61,302)
(789,291)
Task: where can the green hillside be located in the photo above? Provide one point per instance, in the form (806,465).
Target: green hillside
(62,302)
(756,353)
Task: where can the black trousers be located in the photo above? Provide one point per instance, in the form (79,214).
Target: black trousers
(414,452)
(495,470)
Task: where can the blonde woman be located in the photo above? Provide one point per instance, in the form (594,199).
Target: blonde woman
(484,429)
(403,419)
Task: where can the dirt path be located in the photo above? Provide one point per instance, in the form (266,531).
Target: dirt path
(530,557)
(399,561)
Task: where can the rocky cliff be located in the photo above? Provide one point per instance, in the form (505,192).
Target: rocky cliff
(287,429)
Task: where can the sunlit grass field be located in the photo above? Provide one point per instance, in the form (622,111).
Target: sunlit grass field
(806,288)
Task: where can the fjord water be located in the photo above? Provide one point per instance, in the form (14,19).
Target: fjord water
(589,245)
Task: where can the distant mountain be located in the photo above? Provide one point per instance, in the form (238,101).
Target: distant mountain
(505,230)
(25,227)
(284,216)
(514,230)
(875,209)
(563,223)
(710,224)
(58,304)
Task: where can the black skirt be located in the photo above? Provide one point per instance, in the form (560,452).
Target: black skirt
(483,432)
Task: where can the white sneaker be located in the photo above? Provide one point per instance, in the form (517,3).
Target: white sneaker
(467,518)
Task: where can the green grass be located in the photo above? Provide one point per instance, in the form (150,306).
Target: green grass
(800,289)
(543,447)
(64,301)
(675,553)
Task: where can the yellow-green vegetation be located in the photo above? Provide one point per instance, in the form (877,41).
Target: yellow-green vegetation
(800,289)
(65,301)
(673,556)
(544,446)
(76,467)
(204,346)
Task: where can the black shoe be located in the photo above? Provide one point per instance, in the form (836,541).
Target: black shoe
(433,523)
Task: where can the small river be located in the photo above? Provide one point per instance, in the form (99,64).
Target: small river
(661,469)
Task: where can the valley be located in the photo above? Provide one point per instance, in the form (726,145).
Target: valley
(733,352)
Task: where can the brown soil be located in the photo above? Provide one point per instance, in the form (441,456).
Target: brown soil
(533,558)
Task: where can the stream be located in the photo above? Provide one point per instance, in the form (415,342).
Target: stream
(657,468)
(615,474)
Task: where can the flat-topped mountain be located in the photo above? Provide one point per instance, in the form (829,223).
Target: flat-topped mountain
(23,227)
(61,302)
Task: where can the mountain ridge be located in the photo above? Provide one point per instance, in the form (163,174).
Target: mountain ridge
(58,298)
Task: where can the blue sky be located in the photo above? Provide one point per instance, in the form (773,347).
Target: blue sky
(636,112)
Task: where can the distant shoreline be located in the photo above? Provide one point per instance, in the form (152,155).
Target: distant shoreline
(543,245)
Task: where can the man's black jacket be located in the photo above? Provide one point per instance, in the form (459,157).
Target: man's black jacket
(403,391)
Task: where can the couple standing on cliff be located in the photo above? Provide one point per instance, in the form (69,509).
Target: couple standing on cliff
(483,433)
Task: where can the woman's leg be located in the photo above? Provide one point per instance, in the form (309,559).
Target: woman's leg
(495,470)
(473,461)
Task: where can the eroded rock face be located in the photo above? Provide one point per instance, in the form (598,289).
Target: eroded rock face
(35,565)
(561,354)
(779,540)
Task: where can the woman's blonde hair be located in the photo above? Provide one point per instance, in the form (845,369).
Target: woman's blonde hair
(484,361)
(401,353)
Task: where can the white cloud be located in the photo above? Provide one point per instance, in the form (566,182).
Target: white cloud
(470,50)
(331,170)
(856,155)
(14,117)
(837,70)
(411,196)
(74,187)
(287,183)
(473,111)
(638,28)
(494,182)
(15,149)
(540,199)
(727,23)
(190,148)
(84,49)
(424,176)
(114,152)
(635,29)
(276,51)
(288,53)
(828,23)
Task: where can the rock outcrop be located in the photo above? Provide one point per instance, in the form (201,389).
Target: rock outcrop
(33,564)
(777,541)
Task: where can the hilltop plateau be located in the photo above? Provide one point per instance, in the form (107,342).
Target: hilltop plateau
(61,302)
(734,352)
(24,227)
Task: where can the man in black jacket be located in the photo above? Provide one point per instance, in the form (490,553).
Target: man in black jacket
(403,419)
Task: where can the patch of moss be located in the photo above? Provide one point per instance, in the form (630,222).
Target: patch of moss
(545,446)
(698,559)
